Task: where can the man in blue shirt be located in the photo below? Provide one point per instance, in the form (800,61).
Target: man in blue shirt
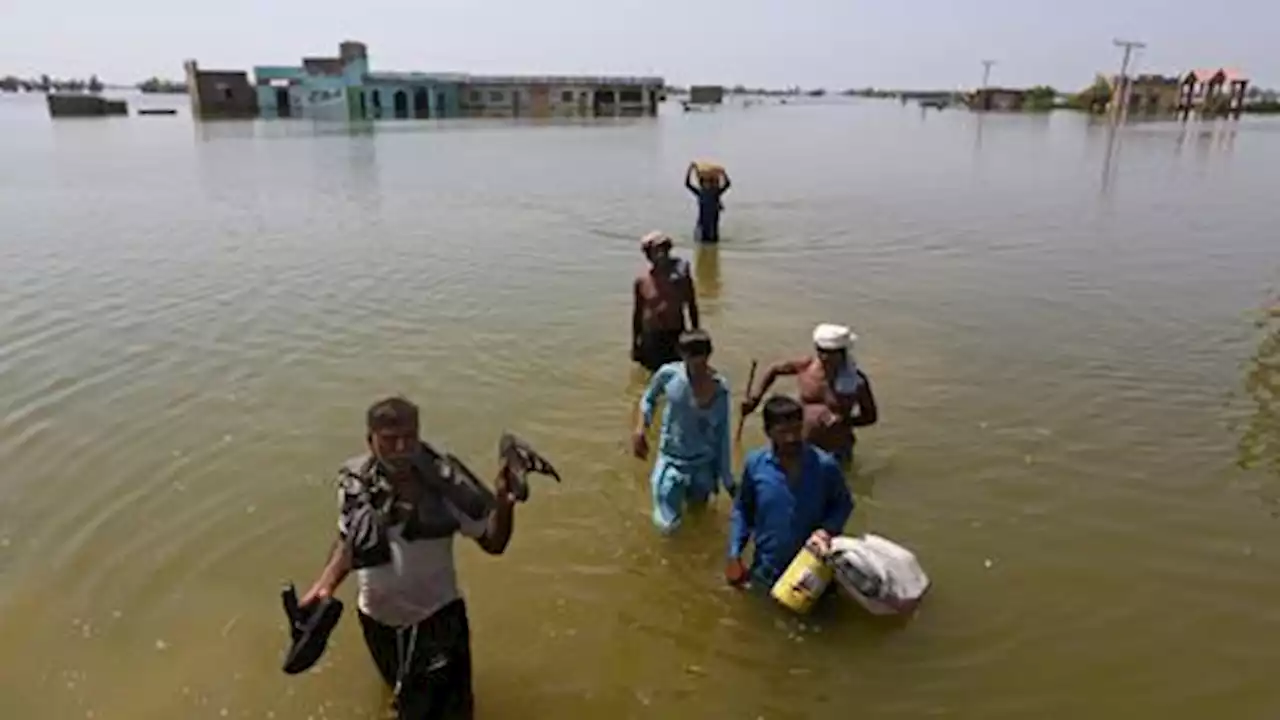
(791,494)
(694,450)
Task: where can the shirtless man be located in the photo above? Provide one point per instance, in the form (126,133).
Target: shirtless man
(836,395)
(661,295)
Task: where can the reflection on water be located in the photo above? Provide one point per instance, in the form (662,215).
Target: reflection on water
(706,271)
(1110,157)
(1259,444)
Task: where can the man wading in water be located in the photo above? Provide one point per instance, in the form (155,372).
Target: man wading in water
(401,505)
(694,453)
(835,393)
(661,295)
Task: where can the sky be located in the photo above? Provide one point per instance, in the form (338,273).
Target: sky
(834,44)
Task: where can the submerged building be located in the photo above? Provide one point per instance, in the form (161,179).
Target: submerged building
(1211,92)
(219,93)
(345,87)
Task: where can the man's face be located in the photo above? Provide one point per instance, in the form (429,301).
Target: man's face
(787,437)
(697,365)
(395,445)
(660,254)
(831,360)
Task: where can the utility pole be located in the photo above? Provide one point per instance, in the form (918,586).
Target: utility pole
(1122,92)
(986,72)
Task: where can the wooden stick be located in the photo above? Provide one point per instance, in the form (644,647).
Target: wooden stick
(751,380)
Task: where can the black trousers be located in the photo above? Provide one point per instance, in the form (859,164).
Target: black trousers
(707,229)
(657,348)
(431,662)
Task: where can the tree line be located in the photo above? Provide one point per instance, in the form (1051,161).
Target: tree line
(47,84)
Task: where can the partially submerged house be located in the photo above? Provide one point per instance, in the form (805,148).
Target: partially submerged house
(998,99)
(345,87)
(1212,92)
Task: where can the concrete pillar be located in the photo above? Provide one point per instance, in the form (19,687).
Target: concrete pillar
(617,102)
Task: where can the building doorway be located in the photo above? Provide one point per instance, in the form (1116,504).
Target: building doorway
(421,103)
(603,103)
(401,101)
(283,108)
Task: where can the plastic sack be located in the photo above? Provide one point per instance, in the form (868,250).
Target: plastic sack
(882,576)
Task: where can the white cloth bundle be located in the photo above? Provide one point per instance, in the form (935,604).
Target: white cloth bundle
(883,576)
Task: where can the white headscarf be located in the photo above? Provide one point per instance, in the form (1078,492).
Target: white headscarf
(828,336)
(833,337)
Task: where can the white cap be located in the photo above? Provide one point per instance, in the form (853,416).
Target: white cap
(833,337)
(655,238)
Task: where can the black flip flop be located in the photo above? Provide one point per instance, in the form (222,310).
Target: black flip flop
(519,459)
(309,629)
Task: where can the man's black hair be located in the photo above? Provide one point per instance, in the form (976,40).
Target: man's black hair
(391,412)
(695,343)
(781,409)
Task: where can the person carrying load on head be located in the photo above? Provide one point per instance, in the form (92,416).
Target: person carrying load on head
(835,392)
(694,452)
(661,295)
(400,506)
(712,183)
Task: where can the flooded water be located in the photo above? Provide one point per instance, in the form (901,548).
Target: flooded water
(1060,327)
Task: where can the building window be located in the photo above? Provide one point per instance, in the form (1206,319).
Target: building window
(631,96)
(495,96)
(566,96)
(476,96)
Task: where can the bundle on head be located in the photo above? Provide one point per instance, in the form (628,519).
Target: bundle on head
(709,173)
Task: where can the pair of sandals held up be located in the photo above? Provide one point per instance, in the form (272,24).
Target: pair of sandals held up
(311,625)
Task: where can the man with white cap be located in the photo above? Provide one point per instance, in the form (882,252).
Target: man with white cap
(662,293)
(835,393)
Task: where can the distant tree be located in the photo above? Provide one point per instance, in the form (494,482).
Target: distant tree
(10,83)
(95,85)
(156,85)
(46,83)
(1040,97)
(1094,98)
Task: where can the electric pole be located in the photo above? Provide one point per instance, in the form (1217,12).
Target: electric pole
(1122,91)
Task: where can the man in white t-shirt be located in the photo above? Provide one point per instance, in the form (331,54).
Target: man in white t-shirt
(400,507)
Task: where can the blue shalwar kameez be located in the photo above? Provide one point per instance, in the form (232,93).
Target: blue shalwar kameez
(694,448)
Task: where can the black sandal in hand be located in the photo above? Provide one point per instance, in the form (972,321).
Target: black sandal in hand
(518,459)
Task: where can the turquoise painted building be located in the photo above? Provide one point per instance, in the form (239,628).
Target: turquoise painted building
(343,88)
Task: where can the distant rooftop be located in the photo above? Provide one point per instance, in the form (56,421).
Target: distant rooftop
(469,79)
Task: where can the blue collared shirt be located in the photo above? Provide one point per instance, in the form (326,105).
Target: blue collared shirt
(779,516)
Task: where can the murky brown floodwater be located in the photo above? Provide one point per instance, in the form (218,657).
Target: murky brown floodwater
(192,320)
